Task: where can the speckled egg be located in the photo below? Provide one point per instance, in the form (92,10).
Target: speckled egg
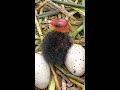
(75,60)
(42,71)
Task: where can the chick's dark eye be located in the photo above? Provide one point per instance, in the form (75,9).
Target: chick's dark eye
(58,24)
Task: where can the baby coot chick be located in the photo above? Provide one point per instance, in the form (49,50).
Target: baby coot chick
(56,43)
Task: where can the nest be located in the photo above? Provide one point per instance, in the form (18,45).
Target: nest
(74,12)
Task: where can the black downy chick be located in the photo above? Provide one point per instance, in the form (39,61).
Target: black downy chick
(56,43)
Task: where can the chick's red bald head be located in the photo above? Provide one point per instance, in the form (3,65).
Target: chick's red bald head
(60,25)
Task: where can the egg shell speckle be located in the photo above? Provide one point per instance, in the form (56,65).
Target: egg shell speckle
(75,60)
(42,71)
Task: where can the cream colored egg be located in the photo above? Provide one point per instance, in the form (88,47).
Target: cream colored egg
(42,71)
(75,60)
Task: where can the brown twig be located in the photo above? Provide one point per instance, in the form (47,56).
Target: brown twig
(35,12)
(76,1)
(63,76)
(62,10)
(41,5)
(50,13)
(51,6)
(48,7)
(63,84)
(65,68)
(70,75)
(37,1)
(55,77)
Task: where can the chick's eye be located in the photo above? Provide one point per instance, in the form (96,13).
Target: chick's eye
(58,24)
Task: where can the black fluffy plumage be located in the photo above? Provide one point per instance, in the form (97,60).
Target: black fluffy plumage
(55,46)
